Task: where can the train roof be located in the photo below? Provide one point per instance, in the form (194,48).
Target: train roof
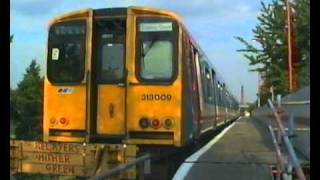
(118,11)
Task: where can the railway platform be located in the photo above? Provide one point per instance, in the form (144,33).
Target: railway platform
(242,151)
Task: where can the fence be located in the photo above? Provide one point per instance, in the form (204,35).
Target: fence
(143,163)
(283,135)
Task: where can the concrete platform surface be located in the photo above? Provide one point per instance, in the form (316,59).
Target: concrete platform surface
(244,150)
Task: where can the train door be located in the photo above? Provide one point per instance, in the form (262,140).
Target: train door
(215,102)
(195,92)
(221,110)
(208,113)
(110,77)
(200,91)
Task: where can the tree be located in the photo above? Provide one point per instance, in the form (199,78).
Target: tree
(27,101)
(302,8)
(13,112)
(271,34)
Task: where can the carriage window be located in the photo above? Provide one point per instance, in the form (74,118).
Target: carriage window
(66,52)
(206,83)
(156,60)
(219,89)
(209,86)
(223,96)
(214,91)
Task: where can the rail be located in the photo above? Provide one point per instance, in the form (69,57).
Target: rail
(145,159)
(278,151)
(295,102)
(281,130)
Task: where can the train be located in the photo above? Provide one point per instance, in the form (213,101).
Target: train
(130,75)
(121,82)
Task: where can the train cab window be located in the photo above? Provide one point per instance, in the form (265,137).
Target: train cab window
(156,60)
(156,50)
(66,52)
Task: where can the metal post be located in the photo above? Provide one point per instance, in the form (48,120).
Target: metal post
(279,100)
(259,88)
(279,109)
(294,159)
(280,166)
(140,171)
(290,132)
(147,166)
(272,93)
(289,170)
(291,125)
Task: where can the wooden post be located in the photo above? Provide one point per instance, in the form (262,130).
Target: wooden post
(289,46)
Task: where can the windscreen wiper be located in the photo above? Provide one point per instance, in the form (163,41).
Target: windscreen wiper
(144,53)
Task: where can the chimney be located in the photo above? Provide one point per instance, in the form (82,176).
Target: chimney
(242,95)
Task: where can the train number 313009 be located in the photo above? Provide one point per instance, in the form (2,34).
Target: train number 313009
(156,97)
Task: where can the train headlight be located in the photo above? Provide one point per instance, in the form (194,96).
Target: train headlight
(64,121)
(144,123)
(53,121)
(156,123)
(168,123)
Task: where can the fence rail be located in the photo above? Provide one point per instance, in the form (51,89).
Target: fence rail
(295,102)
(145,159)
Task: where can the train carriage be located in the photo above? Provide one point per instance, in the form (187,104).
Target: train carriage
(130,75)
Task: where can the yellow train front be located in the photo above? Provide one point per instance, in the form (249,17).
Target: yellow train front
(130,75)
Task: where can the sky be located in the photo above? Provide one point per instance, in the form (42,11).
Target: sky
(212,23)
